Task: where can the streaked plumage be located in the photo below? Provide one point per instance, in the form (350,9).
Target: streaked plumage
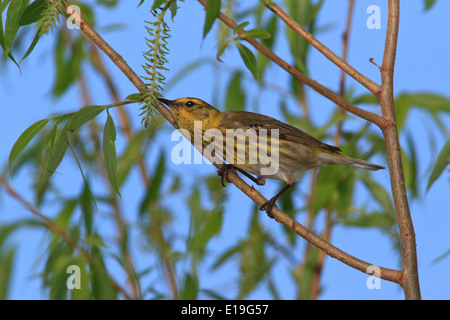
(298,151)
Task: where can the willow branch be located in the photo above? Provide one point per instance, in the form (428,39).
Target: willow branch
(410,280)
(118,61)
(364,114)
(340,62)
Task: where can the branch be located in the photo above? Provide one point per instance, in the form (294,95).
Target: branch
(340,62)
(410,281)
(117,60)
(369,116)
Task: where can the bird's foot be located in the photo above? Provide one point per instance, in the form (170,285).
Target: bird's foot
(223,172)
(268,206)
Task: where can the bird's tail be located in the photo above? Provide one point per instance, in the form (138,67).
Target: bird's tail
(352,162)
(329,159)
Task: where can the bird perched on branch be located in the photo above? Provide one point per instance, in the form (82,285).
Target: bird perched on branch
(256,144)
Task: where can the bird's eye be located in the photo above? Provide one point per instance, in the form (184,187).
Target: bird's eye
(189,104)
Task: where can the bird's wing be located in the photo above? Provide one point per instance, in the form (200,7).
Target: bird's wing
(286,132)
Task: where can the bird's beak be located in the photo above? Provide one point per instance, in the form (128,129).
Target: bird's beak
(168,103)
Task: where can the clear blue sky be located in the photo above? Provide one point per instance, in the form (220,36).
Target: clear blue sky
(422,65)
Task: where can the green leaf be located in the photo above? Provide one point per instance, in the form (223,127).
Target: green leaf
(134,96)
(304,275)
(379,193)
(69,134)
(86,208)
(227,255)
(235,94)
(210,227)
(442,161)
(102,286)
(222,49)
(369,220)
(68,58)
(12,24)
(254,264)
(240,26)
(429,4)
(255,33)
(249,59)
(155,185)
(327,184)
(109,152)
(31,47)
(57,152)
(190,288)
(6,267)
(429,102)
(84,115)
(25,139)
(212,12)
(33,12)
(156,4)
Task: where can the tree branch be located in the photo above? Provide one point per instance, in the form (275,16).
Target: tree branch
(340,62)
(117,60)
(410,281)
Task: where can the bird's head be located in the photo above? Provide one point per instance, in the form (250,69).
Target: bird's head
(187,110)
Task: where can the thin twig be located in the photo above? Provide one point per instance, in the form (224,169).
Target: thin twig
(340,62)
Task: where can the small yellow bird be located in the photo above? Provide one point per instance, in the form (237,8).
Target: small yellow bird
(292,151)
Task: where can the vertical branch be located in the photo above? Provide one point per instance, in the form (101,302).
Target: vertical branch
(410,280)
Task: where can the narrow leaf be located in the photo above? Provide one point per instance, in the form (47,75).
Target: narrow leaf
(33,12)
(134,96)
(25,139)
(255,33)
(56,155)
(442,161)
(84,115)
(240,26)
(235,99)
(15,10)
(153,189)
(6,269)
(212,12)
(190,288)
(429,4)
(31,47)
(69,134)
(109,152)
(249,59)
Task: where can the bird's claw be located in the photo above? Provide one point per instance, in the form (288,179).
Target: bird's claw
(223,172)
(268,206)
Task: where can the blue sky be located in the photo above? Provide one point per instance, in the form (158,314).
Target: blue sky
(422,65)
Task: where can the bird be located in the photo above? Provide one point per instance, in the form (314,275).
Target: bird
(294,150)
